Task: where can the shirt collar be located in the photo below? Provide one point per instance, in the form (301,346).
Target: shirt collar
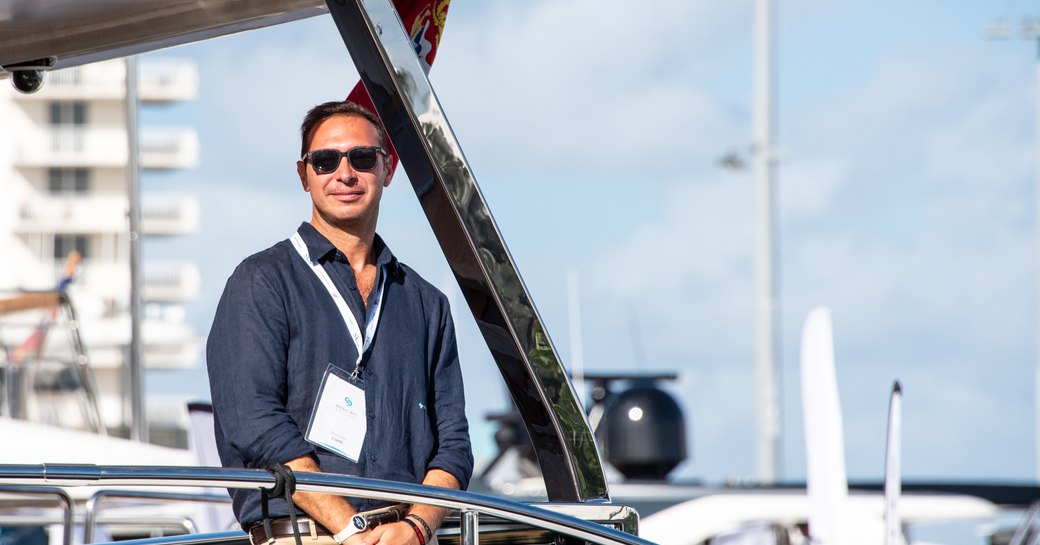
(321,249)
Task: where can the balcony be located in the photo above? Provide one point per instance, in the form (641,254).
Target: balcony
(174,355)
(169,215)
(104,146)
(71,146)
(167,341)
(106,213)
(99,81)
(163,282)
(170,282)
(159,81)
(92,213)
(101,285)
(169,148)
(167,80)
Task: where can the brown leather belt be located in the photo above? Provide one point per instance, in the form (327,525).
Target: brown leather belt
(282,527)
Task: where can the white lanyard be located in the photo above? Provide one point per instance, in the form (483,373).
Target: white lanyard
(348,317)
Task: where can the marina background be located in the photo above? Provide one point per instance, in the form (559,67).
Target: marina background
(906,203)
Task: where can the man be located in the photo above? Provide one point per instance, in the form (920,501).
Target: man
(327,354)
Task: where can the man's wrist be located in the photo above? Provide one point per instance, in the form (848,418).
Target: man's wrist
(357,524)
(415,528)
(422,521)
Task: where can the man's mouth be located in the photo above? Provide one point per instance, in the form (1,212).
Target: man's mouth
(347,196)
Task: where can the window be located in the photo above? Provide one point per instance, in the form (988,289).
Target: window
(68,180)
(68,113)
(68,123)
(65,244)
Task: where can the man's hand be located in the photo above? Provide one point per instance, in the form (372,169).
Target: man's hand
(357,539)
(395,533)
(333,512)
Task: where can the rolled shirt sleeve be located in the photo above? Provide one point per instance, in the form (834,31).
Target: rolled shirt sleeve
(453,452)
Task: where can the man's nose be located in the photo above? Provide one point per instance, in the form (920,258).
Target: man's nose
(344,172)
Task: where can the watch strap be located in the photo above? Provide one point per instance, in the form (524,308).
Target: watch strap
(357,524)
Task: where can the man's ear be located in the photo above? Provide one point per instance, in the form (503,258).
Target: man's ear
(301,171)
(391,166)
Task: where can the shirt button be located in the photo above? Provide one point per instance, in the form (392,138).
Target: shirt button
(373,457)
(371,414)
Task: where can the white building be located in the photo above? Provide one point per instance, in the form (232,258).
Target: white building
(63,187)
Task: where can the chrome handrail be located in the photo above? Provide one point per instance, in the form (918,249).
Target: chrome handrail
(63,497)
(356,487)
(226,537)
(92,506)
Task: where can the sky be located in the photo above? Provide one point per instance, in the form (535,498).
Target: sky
(905,203)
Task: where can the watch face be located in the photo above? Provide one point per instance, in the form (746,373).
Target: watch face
(358,521)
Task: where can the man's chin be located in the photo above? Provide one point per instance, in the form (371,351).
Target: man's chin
(340,219)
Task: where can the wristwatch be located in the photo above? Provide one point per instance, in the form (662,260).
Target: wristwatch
(357,524)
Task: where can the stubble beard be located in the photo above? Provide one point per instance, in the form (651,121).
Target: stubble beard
(361,226)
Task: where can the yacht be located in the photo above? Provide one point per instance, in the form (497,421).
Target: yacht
(576,503)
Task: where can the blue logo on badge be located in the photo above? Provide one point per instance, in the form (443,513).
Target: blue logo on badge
(346,399)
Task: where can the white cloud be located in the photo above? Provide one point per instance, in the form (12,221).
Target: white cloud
(585,89)
(256,88)
(806,189)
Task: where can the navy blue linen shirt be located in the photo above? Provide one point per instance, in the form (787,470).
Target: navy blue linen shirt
(275,332)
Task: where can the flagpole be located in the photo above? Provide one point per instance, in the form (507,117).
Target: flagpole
(893,468)
(1032,31)
(766,302)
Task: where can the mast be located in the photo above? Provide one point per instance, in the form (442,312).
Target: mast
(135,372)
(767,395)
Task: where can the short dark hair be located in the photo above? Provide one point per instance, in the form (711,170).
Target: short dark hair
(324,111)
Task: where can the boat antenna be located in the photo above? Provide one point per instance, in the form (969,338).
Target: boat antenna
(637,338)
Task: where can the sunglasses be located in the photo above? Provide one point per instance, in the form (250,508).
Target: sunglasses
(326,161)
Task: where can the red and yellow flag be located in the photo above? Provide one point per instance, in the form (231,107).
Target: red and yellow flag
(424,20)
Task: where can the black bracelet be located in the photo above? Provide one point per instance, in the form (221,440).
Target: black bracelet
(418,532)
(429,532)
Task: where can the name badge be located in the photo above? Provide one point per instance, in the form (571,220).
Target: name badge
(339,422)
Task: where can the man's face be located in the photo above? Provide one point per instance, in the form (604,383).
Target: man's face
(346,197)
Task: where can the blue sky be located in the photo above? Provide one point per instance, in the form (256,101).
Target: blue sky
(906,203)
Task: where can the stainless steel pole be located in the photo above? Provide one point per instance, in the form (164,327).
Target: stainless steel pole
(474,248)
(766,304)
(1036,373)
(469,531)
(137,422)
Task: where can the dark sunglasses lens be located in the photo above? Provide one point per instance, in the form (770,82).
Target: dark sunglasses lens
(325,160)
(363,158)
